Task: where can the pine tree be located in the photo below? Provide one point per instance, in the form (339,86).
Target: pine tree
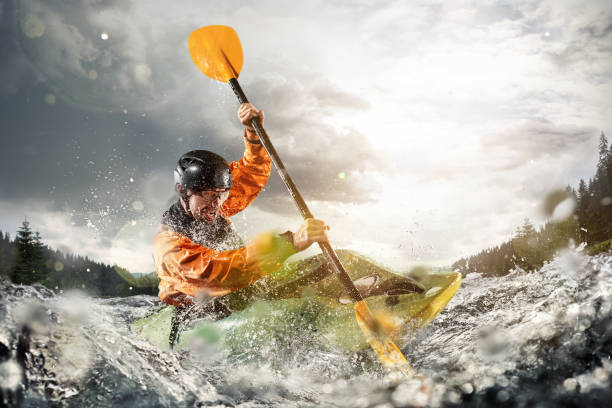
(597,215)
(581,210)
(29,263)
(607,201)
(526,245)
(6,254)
(602,175)
(609,167)
(603,149)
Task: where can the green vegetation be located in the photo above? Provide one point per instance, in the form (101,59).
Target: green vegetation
(529,248)
(27,260)
(605,246)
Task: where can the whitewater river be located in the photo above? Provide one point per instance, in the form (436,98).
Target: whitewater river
(540,339)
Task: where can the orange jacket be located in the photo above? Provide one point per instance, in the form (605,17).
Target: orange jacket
(187,269)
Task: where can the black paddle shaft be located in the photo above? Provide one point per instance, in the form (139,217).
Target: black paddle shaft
(326,248)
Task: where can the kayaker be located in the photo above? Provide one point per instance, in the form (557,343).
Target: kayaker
(197,250)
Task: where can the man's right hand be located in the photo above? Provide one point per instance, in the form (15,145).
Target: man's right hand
(246,112)
(309,232)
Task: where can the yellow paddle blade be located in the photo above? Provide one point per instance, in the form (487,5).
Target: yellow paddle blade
(216,51)
(389,354)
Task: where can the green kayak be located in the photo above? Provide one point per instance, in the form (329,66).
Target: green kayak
(305,299)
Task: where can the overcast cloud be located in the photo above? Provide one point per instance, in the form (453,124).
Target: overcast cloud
(421,131)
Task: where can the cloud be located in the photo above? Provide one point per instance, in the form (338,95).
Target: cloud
(453,115)
(135,66)
(536,138)
(576,39)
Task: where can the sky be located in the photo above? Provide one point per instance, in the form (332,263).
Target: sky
(421,132)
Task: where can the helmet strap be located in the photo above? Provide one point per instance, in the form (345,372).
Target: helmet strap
(185,199)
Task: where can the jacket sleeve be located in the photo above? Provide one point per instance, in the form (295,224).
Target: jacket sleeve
(249,176)
(185,268)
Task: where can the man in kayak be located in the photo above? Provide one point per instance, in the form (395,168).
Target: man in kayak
(197,250)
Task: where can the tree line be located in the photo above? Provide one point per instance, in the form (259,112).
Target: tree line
(529,248)
(27,260)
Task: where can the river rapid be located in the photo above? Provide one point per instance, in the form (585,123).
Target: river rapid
(526,339)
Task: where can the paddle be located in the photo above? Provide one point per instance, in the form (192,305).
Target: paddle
(217,52)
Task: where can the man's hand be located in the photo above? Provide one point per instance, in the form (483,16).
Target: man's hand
(246,112)
(310,231)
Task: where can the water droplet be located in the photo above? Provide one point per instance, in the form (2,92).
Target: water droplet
(467,388)
(570,384)
(10,372)
(50,99)
(142,74)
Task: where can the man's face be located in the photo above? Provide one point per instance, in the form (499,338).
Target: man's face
(206,204)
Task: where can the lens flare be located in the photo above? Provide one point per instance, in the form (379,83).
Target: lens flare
(33,26)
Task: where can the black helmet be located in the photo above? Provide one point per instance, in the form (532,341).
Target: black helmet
(201,169)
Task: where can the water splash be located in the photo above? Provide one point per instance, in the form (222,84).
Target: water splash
(542,338)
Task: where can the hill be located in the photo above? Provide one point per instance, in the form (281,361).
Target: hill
(590,222)
(27,260)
